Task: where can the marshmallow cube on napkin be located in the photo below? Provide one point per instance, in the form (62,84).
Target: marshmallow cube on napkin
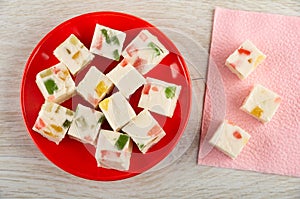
(230,139)
(113,150)
(261,103)
(73,54)
(117,110)
(245,59)
(144,52)
(53,121)
(107,42)
(86,125)
(126,78)
(94,86)
(144,131)
(56,83)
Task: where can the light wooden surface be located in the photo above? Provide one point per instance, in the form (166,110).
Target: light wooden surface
(25,172)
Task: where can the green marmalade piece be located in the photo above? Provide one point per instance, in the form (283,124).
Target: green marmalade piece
(46,73)
(121,142)
(66,124)
(115,40)
(141,146)
(116,55)
(155,47)
(69,112)
(170,92)
(101,119)
(105,34)
(81,122)
(50,86)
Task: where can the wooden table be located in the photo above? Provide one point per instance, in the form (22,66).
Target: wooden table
(25,172)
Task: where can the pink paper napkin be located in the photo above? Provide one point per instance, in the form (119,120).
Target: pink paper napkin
(274,147)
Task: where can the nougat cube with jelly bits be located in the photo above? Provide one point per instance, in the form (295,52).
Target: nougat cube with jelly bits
(113,150)
(126,78)
(86,125)
(56,83)
(230,139)
(94,86)
(245,59)
(144,131)
(73,54)
(117,111)
(145,52)
(107,42)
(159,97)
(261,103)
(53,121)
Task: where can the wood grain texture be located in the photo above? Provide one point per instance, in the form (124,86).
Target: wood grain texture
(26,173)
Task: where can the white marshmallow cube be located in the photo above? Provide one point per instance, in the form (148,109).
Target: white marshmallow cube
(230,139)
(261,103)
(86,125)
(159,97)
(126,78)
(56,83)
(53,121)
(245,59)
(107,42)
(113,150)
(94,86)
(73,54)
(117,110)
(144,131)
(144,52)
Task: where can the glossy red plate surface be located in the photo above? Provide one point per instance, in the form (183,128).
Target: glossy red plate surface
(73,156)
